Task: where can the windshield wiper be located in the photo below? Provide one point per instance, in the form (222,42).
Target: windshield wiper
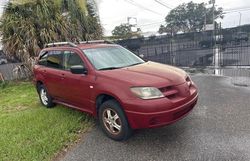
(109,68)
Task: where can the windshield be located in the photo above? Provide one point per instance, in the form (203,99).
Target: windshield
(111,58)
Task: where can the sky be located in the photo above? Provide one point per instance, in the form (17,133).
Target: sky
(2,3)
(150,14)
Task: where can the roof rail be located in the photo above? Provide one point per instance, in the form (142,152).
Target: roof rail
(96,41)
(60,44)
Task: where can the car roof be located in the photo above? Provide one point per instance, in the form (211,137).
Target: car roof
(78,46)
(91,46)
(81,45)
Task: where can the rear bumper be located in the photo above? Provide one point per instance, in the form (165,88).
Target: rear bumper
(140,120)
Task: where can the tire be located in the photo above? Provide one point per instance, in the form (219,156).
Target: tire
(45,99)
(117,118)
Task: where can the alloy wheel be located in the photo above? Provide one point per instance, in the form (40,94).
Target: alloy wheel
(112,121)
(44,97)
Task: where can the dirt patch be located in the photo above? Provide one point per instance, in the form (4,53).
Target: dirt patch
(10,109)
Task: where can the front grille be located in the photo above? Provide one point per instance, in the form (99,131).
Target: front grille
(178,92)
(169,92)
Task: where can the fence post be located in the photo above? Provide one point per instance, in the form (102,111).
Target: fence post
(172,52)
(216,61)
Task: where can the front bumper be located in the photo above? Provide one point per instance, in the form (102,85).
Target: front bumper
(153,114)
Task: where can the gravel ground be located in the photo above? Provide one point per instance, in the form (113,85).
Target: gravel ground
(218,129)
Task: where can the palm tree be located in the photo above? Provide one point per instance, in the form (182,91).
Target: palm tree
(26,26)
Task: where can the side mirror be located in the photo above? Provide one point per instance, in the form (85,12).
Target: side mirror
(78,69)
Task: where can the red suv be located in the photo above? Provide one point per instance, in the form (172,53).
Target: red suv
(113,84)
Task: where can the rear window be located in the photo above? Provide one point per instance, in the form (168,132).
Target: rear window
(55,59)
(52,59)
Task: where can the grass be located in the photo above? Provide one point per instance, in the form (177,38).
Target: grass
(29,131)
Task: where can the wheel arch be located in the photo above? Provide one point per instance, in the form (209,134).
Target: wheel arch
(101,98)
(38,83)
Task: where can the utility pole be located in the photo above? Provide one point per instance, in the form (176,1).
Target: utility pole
(132,21)
(240,18)
(205,21)
(213,1)
(213,34)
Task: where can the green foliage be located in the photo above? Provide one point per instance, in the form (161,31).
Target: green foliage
(3,84)
(190,17)
(27,25)
(29,131)
(124,31)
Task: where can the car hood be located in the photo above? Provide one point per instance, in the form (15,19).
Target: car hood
(148,74)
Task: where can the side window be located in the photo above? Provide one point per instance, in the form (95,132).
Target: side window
(71,59)
(43,59)
(55,59)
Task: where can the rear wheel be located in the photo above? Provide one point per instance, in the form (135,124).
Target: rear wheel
(44,96)
(113,121)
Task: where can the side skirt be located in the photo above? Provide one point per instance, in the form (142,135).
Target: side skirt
(72,106)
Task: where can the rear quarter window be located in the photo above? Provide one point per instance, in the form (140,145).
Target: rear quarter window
(43,58)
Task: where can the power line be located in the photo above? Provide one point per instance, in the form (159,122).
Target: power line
(142,7)
(237,9)
(150,24)
(163,4)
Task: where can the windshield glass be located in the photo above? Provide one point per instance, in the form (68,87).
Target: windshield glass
(111,58)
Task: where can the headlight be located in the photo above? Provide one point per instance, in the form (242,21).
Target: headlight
(147,92)
(189,80)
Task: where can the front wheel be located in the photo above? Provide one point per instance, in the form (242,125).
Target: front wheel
(113,121)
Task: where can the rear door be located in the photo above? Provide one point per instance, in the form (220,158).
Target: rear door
(53,73)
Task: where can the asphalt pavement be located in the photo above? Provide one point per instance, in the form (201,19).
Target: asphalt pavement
(218,129)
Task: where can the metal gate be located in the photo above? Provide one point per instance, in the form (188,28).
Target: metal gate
(235,50)
(220,48)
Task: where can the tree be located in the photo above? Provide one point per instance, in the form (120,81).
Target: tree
(26,26)
(162,29)
(166,29)
(190,17)
(124,31)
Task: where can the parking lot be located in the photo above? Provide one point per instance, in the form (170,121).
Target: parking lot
(216,130)
(192,54)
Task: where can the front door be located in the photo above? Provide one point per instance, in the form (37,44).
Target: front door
(77,87)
